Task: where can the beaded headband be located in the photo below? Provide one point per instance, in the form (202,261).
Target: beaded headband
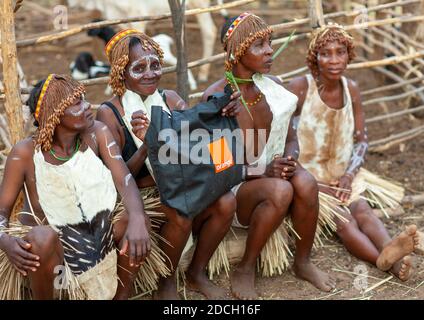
(42,95)
(116,38)
(235,24)
(322,31)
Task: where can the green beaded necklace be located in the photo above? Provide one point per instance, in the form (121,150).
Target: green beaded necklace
(53,153)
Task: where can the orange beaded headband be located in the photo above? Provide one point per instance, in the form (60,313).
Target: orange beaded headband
(235,24)
(116,38)
(42,95)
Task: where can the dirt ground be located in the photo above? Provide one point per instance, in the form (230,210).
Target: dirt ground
(403,163)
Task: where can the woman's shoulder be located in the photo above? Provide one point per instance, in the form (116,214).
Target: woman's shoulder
(23,149)
(218,86)
(173,100)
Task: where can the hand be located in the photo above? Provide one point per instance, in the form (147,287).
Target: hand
(233,108)
(140,124)
(345,183)
(17,251)
(136,239)
(280,167)
(327,189)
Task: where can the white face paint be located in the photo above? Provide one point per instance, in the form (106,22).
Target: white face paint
(16,158)
(142,67)
(83,106)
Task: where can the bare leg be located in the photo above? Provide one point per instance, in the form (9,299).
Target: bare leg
(176,230)
(126,273)
(304,213)
(402,245)
(370,224)
(355,241)
(261,204)
(210,226)
(46,244)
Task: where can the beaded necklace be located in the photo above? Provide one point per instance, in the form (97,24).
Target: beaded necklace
(77,146)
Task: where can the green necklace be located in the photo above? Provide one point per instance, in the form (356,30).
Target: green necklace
(77,146)
(237,80)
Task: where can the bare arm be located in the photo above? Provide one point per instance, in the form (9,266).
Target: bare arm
(136,162)
(360,135)
(17,249)
(13,181)
(137,235)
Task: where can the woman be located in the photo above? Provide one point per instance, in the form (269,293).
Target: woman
(283,186)
(136,62)
(333,143)
(69,171)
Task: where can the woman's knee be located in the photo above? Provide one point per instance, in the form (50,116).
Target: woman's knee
(225,206)
(362,212)
(346,224)
(43,239)
(179,221)
(304,184)
(280,193)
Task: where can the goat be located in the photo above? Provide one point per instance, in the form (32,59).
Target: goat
(112,9)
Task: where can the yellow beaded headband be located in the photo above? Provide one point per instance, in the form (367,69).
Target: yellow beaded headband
(42,95)
(322,31)
(116,38)
(235,24)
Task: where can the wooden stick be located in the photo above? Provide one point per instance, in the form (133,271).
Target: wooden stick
(178,19)
(394,114)
(10,72)
(299,22)
(404,37)
(413,201)
(316,15)
(391,86)
(39,8)
(386,143)
(73,31)
(395,77)
(386,61)
(394,97)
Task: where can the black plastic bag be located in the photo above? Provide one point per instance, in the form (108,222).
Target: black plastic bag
(174,154)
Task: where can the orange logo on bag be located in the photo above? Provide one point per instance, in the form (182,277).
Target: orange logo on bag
(221,155)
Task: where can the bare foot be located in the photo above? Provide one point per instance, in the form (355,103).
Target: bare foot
(311,273)
(404,244)
(243,284)
(403,268)
(167,290)
(202,284)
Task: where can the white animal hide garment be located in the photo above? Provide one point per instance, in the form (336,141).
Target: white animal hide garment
(325,135)
(78,198)
(282,104)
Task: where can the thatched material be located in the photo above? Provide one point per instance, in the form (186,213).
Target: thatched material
(274,257)
(155,265)
(14,286)
(378,192)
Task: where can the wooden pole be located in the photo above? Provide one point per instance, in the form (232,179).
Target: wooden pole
(178,20)
(13,104)
(95,25)
(316,14)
